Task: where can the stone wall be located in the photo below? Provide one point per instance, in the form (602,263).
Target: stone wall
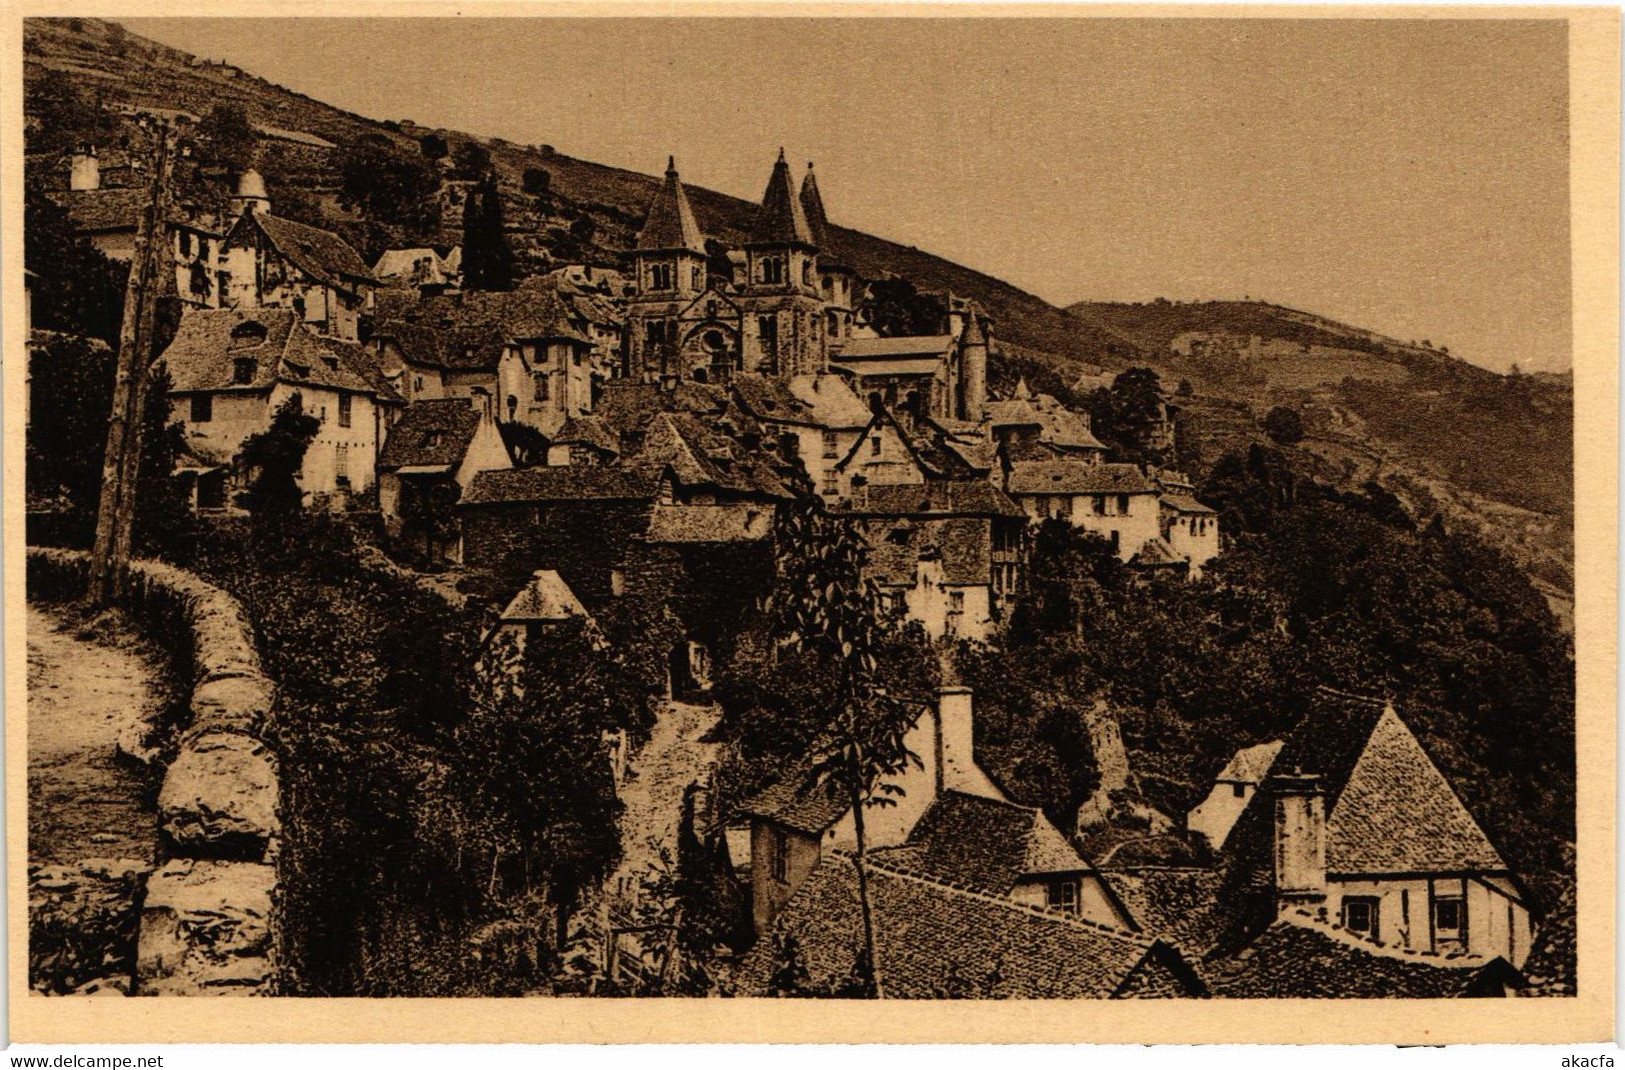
(206,922)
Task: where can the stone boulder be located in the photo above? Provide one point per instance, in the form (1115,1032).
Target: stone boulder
(205,930)
(219,798)
(232,703)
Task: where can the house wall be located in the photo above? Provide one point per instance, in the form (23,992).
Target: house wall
(889,826)
(582,539)
(1197,537)
(115,244)
(1094,904)
(1496,923)
(234,418)
(321,468)
(259,277)
(769,894)
(1133,529)
(1216,815)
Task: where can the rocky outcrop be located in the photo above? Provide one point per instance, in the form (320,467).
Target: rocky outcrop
(206,923)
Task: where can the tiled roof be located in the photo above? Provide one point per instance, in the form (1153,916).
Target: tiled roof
(545,597)
(1063,428)
(670,223)
(983,844)
(587,431)
(709,523)
(1181,905)
(419,266)
(780,219)
(819,400)
(454,348)
(1156,553)
(921,345)
(945,497)
(1551,961)
(626,405)
(699,456)
(1388,808)
(102,209)
(203,354)
(962,545)
(1251,765)
(1300,957)
(1066,476)
(558,484)
(430,433)
(1014,413)
(921,366)
(792,802)
(933,940)
(1185,504)
(322,254)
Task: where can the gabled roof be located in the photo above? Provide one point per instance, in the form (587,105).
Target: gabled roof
(933,940)
(203,354)
(780,219)
(959,544)
(571,483)
(1156,553)
(985,845)
(628,405)
(914,345)
(1180,904)
(1017,412)
(587,431)
(670,223)
(1388,807)
(698,456)
(323,255)
(1184,503)
(791,802)
(545,598)
(430,433)
(812,206)
(1250,765)
(419,266)
(1066,476)
(818,400)
(1300,957)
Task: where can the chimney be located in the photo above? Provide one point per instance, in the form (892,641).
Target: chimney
(1300,840)
(86,170)
(251,195)
(956,732)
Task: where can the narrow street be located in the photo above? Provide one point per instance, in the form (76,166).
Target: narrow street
(662,769)
(83,799)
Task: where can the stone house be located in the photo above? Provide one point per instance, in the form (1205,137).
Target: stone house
(231,369)
(1355,824)
(271,262)
(882,455)
(1115,501)
(436,444)
(813,419)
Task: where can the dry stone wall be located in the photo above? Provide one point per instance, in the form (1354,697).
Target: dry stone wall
(206,919)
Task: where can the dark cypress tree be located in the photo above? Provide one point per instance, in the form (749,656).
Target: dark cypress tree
(487,259)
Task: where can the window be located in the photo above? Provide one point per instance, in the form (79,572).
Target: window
(956,601)
(341,466)
(1100,505)
(1122,505)
(1062,896)
(806,273)
(830,484)
(617,582)
(1449,919)
(772,269)
(660,277)
(540,383)
(654,333)
(779,856)
(830,444)
(694,280)
(202,408)
(834,325)
(874,446)
(417,383)
(345,403)
(768,328)
(1360,915)
(186,242)
(243,369)
(1239,790)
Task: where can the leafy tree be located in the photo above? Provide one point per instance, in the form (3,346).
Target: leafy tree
(1284,425)
(65,115)
(1129,415)
(434,146)
(395,188)
(538,181)
(470,159)
(897,308)
(429,513)
(76,289)
(226,138)
(487,257)
(162,503)
(275,456)
(826,607)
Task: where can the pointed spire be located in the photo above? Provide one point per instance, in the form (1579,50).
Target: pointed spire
(670,225)
(781,218)
(1023,392)
(812,206)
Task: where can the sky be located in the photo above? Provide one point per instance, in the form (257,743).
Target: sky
(1409,176)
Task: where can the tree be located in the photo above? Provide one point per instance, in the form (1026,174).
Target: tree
(1284,425)
(396,188)
(897,308)
(487,257)
(434,147)
(538,181)
(66,115)
(76,289)
(162,506)
(825,606)
(429,511)
(1130,414)
(226,138)
(470,159)
(275,456)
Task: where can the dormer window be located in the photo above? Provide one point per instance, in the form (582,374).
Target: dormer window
(432,439)
(243,370)
(332,363)
(1063,896)
(247,334)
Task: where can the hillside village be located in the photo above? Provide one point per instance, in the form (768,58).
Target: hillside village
(617,462)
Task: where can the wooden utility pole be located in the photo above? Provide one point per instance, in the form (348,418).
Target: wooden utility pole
(110,555)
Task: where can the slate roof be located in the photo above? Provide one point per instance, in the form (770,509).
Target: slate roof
(920,345)
(921,366)
(1388,808)
(1156,553)
(430,433)
(933,939)
(546,597)
(455,348)
(961,545)
(699,456)
(202,356)
(1066,476)
(532,310)
(404,264)
(789,801)
(1063,428)
(1250,765)
(1184,503)
(1181,905)
(670,222)
(323,255)
(626,405)
(819,400)
(1300,957)
(587,431)
(984,845)
(780,220)
(708,524)
(1016,412)
(943,497)
(812,206)
(571,483)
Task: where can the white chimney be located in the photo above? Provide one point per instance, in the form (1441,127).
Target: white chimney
(86,170)
(1300,840)
(956,735)
(251,194)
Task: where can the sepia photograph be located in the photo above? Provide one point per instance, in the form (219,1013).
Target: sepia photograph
(788,509)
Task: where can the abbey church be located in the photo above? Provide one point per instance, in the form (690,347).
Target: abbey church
(788,308)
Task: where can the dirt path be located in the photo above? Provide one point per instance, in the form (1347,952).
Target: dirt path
(83,799)
(673,758)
